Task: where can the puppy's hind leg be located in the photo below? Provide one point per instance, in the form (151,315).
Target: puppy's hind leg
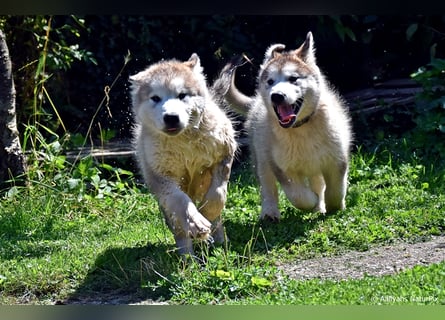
(300,194)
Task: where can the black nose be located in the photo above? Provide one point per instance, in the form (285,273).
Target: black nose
(277,98)
(171,120)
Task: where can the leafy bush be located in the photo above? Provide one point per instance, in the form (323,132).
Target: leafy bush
(83,177)
(43,49)
(429,114)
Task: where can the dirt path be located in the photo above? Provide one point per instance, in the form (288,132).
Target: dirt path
(377,261)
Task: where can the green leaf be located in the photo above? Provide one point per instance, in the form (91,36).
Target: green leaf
(418,73)
(433,51)
(261,282)
(84,165)
(106,166)
(221,274)
(388,118)
(411,30)
(73,183)
(60,162)
(350,34)
(438,64)
(95,180)
(124,172)
(340,31)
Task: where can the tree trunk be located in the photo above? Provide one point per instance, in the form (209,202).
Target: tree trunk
(12,159)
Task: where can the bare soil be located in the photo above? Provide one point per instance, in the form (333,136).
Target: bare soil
(378,261)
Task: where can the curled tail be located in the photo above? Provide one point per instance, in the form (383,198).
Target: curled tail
(224,86)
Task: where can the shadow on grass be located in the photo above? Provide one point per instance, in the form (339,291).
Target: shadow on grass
(264,236)
(128,276)
(140,274)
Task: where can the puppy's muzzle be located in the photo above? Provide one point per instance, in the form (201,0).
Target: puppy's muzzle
(277,98)
(286,113)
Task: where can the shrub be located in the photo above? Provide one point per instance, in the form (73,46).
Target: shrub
(429,115)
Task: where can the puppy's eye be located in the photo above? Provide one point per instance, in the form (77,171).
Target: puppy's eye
(182,96)
(293,79)
(155,99)
(270,82)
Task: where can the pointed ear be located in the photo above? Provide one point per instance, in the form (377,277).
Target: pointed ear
(194,63)
(306,51)
(273,51)
(135,86)
(135,82)
(134,78)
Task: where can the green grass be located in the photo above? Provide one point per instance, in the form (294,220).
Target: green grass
(90,230)
(254,285)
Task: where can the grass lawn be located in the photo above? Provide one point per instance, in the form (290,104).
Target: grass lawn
(89,230)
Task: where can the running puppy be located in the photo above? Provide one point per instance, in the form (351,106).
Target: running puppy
(299,129)
(185,146)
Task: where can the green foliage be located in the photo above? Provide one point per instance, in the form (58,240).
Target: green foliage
(429,115)
(43,49)
(341,28)
(84,177)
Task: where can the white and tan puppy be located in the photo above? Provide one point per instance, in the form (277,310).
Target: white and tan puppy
(185,146)
(299,130)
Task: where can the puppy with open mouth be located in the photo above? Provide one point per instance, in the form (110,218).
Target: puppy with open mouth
(300,131)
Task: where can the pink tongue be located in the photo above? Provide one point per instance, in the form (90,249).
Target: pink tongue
(286,112)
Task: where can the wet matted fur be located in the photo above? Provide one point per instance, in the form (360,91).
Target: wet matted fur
(185,145)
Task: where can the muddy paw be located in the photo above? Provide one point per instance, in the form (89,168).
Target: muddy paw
(199,228)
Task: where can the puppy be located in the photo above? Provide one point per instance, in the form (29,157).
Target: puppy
(185,145)
(300,131)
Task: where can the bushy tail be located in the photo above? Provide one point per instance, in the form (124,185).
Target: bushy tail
(224,86)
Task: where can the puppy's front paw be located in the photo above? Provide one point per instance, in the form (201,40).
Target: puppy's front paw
(198,227)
